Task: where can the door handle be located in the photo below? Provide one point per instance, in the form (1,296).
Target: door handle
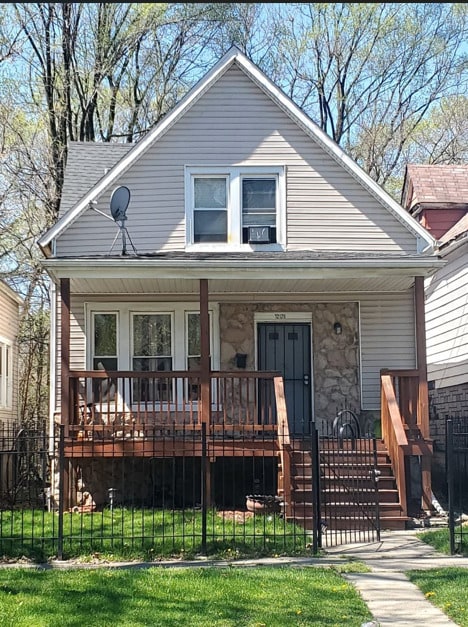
(306,379)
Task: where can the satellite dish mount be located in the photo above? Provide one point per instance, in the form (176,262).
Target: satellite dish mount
(118,206)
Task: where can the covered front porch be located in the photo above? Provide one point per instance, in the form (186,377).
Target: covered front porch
(234,408)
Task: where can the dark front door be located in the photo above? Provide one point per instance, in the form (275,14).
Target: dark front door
(285,347)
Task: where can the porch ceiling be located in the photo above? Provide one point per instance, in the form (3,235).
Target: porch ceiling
(238,286)
(301,272)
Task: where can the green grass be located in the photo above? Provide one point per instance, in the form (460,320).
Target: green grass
(440,540)
(147,535)
(446,588)
(213,597)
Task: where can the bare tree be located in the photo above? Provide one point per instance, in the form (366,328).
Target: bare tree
(369,73)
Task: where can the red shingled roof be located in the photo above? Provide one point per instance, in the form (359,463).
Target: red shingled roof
(437,183)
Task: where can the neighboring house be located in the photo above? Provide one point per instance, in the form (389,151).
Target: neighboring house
(9,323)
(252,245)
(437,195)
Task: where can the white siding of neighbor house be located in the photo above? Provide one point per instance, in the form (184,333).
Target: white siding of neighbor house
(387,334)
(235,123)
(9,321)
(447,321)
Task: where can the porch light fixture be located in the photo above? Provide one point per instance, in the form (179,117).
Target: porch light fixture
(337,328)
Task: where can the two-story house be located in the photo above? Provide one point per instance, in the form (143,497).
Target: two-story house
(233,255)
(437,196)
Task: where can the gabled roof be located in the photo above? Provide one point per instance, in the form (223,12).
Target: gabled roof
(87,163)
(10,292)
(435,185)
(235,56)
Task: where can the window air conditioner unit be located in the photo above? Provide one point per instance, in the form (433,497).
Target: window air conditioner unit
(259,235)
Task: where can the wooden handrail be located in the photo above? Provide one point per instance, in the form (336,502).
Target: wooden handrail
(284,444)
(168,374)
(394,436)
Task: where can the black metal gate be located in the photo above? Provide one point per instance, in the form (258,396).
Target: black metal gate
(457,477)
(349,497)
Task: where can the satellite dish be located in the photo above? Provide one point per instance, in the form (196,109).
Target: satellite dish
(118,206)
(119,203)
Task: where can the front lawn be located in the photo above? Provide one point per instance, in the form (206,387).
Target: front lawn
(212,597)
(125,534)
(440,540)
(446,588)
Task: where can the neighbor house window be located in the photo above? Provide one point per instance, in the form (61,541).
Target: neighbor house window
(234,205)
(152,352)
(210,209)
(5,375)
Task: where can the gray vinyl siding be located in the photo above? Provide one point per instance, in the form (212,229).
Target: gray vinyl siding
(387,334)
(388,339)
(447,321)
(235,123)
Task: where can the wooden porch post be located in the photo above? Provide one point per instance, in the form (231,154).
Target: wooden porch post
(65,353)
(65,378)
(423,395)
(205,375)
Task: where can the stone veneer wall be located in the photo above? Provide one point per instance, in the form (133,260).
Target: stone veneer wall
(335,357)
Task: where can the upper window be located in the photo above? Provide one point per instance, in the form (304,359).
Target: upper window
(210,209)
(234,206)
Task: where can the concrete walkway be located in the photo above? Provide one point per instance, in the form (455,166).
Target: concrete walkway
(389,595)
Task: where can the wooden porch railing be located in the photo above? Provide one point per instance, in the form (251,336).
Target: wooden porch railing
(394,436)
(106,400)
(284,443)
(404,425)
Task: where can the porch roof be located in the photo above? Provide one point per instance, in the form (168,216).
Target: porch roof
(269,272)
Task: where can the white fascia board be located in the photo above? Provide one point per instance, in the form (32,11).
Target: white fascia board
(244,269)
(139,149)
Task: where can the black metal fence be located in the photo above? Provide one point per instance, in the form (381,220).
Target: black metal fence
(177,493)
(457,482)
(182,490)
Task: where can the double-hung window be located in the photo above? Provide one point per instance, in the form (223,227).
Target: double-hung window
(147,339)
(210,194)
(105,355)
(152,352)
(259,202)
(234,207)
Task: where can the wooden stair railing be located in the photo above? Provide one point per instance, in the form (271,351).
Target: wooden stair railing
(284,444)
(394,436)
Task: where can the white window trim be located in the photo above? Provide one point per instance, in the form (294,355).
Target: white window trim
(234,176)
(6,397)
(91,336)
(176,309)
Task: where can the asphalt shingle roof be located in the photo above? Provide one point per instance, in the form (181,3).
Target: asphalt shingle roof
(87,163)
(438,184)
